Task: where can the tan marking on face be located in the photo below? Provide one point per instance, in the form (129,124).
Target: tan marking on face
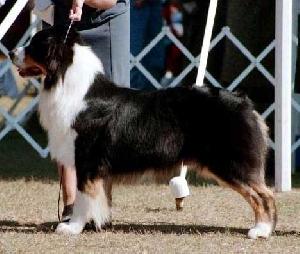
(31,64)
(26,65)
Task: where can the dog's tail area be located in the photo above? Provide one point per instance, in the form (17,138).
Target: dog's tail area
(264,130)
(262,125)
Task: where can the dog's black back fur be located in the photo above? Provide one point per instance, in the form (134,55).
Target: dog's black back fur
(127,131)
(124,131)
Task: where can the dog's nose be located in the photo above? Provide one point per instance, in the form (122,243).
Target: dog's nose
(11,54)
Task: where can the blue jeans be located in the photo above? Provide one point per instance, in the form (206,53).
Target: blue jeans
(145,24)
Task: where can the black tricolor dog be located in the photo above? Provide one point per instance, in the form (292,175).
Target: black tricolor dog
(109,132)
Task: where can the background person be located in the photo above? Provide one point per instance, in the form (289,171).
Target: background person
(145,23)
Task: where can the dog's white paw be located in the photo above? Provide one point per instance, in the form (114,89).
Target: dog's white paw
(261,229)
(71,228)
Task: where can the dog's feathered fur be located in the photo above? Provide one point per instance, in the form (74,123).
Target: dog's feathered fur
(111,132)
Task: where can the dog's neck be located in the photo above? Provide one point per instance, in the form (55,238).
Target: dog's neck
(81,69)
(65,99)
(86,65)
(86,59)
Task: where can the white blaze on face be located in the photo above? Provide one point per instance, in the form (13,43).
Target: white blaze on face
(19,57)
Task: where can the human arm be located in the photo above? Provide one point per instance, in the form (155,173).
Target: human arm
(76,10)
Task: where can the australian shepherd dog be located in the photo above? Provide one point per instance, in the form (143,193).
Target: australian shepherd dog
(109,132)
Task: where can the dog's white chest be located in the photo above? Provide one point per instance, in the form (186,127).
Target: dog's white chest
(60,105)
(58,109)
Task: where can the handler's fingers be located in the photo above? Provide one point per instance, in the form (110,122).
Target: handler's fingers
(75,14)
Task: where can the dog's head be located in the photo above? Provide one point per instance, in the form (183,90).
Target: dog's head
(47,54)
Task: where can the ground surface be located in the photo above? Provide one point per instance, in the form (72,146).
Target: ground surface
(215,220)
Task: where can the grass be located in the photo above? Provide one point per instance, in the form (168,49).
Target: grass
(214,220)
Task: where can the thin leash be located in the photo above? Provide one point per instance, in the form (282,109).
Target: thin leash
(60,187)
(68,31)
(62,168)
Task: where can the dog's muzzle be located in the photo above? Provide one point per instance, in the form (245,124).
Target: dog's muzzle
(17,56)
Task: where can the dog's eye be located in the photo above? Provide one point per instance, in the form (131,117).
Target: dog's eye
(28,42)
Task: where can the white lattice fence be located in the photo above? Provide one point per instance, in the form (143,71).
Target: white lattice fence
(254,63)
(14,122)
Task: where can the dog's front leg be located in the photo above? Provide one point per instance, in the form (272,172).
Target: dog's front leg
(93,199)
(81,215)
(93,203)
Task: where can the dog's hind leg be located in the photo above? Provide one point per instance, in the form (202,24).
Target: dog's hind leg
(91,204)
(262,202)
(108,193)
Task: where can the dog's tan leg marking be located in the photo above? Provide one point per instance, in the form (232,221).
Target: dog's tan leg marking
(268,199)
(262,201)
(91,204)
(100,191)
(260,198)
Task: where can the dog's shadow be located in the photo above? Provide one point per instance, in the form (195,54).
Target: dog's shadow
(164,228)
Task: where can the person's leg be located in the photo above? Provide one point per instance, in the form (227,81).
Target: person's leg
(98,39)
(139,18)
(69,187)
(120,49)
(154,61)
(68,176)
(110,42)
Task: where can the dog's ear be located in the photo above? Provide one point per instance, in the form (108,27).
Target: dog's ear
(51,77)
(60,54)
(53,68)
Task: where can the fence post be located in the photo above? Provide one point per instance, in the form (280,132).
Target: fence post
(283,89)
(212,9)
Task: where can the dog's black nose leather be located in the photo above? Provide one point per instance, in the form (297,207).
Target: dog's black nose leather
(11,55)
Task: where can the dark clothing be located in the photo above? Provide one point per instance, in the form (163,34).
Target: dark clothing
(108,34)
(253,24)
(91,17)
(297,78)
(145,24)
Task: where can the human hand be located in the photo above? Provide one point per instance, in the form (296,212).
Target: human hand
(76,10)
(2,2)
